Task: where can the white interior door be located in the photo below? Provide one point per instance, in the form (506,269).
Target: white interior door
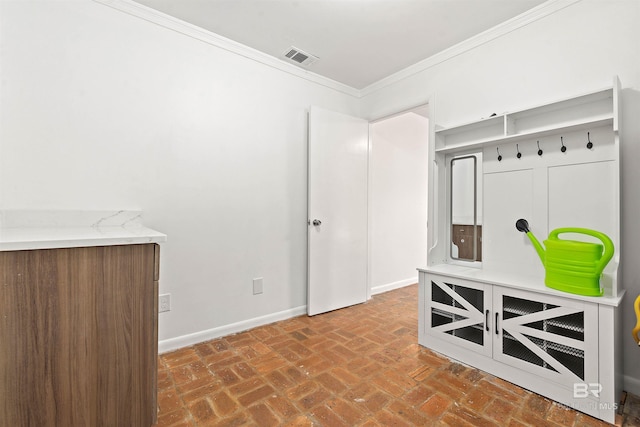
(338,248)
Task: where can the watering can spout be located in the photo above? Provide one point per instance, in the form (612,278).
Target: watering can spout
(523,225)
(538,246)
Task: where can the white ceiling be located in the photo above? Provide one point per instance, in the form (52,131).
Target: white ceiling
(358,41)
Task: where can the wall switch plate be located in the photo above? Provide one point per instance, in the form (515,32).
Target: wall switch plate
(257,286)
(164,303)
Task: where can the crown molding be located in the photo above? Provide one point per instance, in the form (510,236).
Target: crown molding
(156,17)
(532,15)
(151,15)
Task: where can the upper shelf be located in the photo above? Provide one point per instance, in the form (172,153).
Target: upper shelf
(590,110)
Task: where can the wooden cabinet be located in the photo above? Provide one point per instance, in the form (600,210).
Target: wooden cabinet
(78,334)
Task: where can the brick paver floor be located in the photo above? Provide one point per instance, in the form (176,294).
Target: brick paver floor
(358,366)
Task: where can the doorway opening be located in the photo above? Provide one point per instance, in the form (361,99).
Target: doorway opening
(398,193)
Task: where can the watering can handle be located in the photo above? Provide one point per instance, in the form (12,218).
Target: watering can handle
(606,241)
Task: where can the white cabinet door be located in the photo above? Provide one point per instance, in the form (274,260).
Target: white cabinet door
(554,338)
(459,311)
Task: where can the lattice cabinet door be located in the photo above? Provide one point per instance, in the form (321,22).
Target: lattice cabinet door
(457,311)
(552,337)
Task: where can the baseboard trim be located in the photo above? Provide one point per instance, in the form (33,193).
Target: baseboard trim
(395,285)
(176,343)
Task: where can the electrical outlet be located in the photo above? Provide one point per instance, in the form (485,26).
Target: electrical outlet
(257,286)
(164,303)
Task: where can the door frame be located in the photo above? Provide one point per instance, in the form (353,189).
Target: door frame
(429,105)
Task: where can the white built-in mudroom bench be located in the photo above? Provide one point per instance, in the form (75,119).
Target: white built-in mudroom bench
(483,299)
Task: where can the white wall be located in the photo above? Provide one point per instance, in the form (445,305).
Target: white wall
(103,110)
(574,50)
(398,207)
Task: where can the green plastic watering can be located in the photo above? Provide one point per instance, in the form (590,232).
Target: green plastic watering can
(572,266)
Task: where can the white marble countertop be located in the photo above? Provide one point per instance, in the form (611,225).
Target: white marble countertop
(27,230)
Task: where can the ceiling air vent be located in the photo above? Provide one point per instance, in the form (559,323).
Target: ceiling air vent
(300,57)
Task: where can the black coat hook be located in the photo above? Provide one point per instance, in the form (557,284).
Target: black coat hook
(539,149)
(518,150)
(499,155)
(589,144)
(563,149)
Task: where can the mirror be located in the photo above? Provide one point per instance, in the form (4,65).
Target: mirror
(466,223)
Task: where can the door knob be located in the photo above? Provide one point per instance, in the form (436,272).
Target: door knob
(316,222)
